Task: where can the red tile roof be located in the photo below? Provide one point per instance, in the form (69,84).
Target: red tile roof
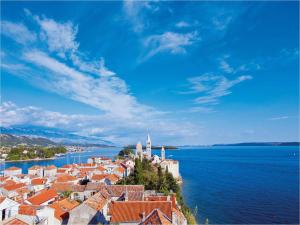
(28,210)
(12,187)
(38,181)
(13,168)
(99,177)
(52,167)
(156,217)
(43,196)
(132,211)
(65,178)
(15,221)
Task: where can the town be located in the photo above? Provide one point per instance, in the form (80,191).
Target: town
(89,193)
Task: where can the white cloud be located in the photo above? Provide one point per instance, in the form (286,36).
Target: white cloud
(182,24)
(226,67)
(212,87)
(174,43)
(279,118)
(18,32)
(134,12)
(111,129)
(60,37)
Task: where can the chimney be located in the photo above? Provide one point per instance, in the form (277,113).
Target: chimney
(143,214)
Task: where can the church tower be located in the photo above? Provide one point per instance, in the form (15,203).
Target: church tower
(139,150)
(163,153)
(148,147)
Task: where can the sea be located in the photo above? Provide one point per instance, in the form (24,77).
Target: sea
(226,185)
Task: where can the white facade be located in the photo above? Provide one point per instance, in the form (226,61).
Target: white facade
(12,171)
(138,150)
(8,208)
(172,166)
(163,153)
(148,147)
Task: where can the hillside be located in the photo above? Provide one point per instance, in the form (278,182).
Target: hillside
(11,140)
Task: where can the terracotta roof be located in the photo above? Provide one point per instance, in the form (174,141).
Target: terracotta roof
(3,178)
(52,167)
(156,217)
(100,168)
(113,177)
(132,211)
(156,198)
(61,187)
(98,200)
(120,169)
(62,207)
(12,187)
(61,170)
(13,168)
(29,210)
(99,177)
(35,168)
(2,199)
(65,178)
(15,221)
(38,181)
(43,196)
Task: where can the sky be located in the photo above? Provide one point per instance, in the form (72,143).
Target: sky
(186,72)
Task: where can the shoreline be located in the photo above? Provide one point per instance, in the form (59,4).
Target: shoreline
(27,160)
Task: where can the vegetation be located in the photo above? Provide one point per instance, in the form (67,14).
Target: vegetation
(25,153)
(125,151)
(154,178)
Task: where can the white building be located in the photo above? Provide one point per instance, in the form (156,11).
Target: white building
(148,147)
(138,150)
(163,153)
(12,171)
(172,166)
(50,171)
(8,208)
(36,170)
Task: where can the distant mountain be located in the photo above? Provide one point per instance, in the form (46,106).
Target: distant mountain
(11,140)
(262,144)
(55,135)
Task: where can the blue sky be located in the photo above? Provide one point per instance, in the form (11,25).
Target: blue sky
(187,72)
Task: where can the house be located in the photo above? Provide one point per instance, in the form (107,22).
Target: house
(36,171)
(8,208)
(156,217)
(66,178)
(9,189)
(38,184)
(120,171)
(135,212)
(41,215)
(44,197)
(62,208)
(50,171)
(12,171)
(77,191)
(92,211)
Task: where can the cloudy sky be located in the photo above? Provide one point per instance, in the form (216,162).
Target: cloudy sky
(186,72)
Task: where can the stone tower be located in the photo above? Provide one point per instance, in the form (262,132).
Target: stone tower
(163,153)
(148,147)
(139,150)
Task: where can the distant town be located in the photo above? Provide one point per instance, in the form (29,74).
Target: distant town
(135,188)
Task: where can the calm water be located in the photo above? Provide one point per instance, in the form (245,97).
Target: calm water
(256,185)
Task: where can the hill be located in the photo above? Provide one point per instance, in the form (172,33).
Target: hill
(11,140)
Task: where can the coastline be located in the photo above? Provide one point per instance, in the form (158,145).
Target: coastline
(26,160)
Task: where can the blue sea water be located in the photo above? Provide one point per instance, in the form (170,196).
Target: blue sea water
(228,185)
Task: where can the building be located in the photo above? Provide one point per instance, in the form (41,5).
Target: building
(36,170)
(163,153)
(138,150)
(171,166)
(8,208)
(148,147)
(50,171)
(12,171)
